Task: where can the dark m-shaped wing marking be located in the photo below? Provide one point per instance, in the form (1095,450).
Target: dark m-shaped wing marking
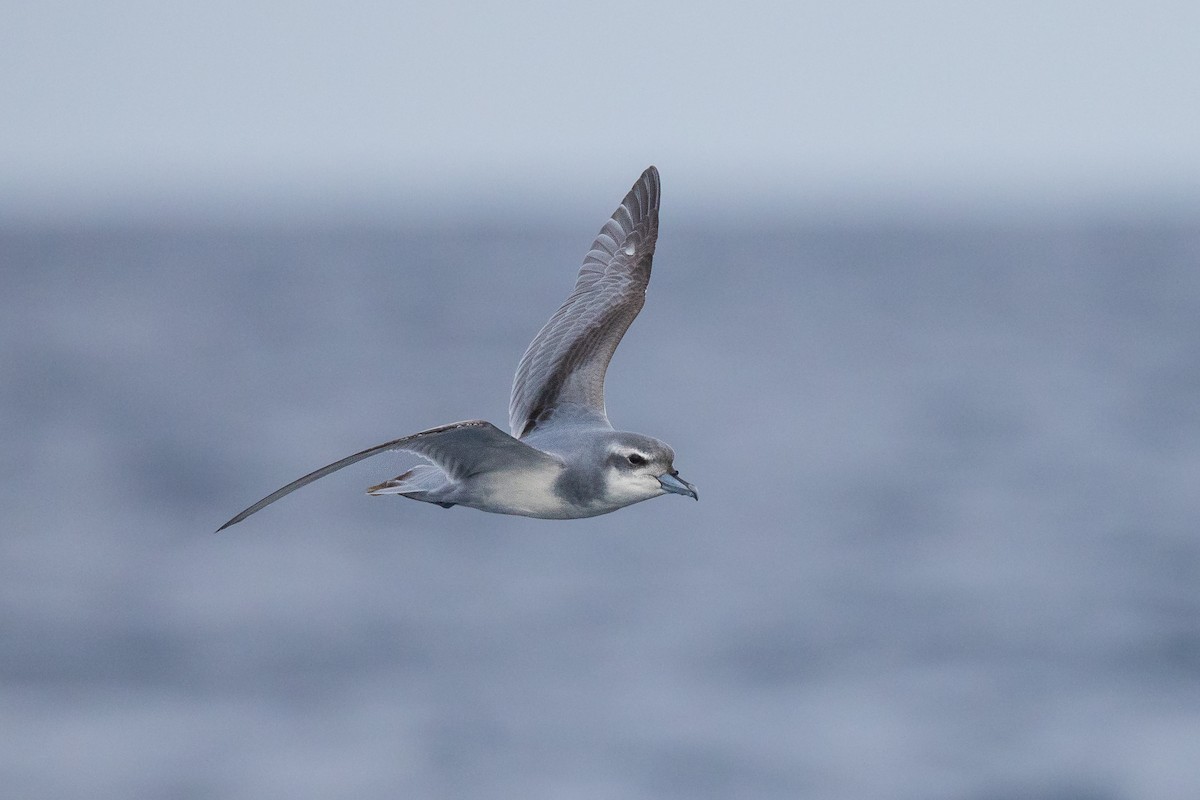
(565,363)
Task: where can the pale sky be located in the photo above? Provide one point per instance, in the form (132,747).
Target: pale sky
(129,105)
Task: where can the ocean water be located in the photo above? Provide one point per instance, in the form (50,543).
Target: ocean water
(948,541)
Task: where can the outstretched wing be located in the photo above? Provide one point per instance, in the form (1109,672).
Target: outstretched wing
(565,363)
(460,449)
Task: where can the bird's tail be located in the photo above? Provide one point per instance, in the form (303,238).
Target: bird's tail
(417,483)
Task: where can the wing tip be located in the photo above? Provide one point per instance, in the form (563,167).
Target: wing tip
(652,184)
(233,521)
(638,208)
(242,515)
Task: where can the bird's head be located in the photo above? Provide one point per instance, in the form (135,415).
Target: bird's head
(639,467)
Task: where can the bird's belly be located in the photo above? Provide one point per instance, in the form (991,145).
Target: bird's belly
(524,494)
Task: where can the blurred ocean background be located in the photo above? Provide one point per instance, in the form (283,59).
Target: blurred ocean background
(924,330)
(946,545)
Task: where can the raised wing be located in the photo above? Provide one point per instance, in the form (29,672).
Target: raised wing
(460,449)
(565,363)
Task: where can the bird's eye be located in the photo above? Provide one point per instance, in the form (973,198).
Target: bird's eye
(637,459)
